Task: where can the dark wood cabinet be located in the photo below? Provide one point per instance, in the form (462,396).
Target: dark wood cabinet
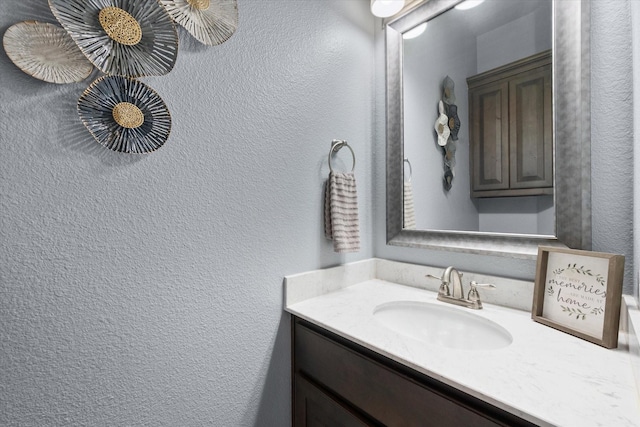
(511,129)
(339,383)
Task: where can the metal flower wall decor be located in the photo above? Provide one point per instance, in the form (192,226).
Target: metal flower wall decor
(131,38)
(125,115)
(125,40)
(46,52)
(447,126)
(211,23)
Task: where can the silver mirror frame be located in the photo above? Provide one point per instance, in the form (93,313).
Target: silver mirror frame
(572,141)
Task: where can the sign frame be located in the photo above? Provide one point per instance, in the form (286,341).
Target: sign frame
(592,286)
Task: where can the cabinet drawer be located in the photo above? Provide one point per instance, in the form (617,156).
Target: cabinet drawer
(380,392)
(314,408)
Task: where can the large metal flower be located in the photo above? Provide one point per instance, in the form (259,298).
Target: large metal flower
(125,115)
(211,22)
(123,37)
(46,52)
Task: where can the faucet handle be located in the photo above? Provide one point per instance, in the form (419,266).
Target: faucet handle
(488,286)
(444,286)
(473,292)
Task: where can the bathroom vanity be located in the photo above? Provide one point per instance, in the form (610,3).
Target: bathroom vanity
(341,383)
(350,368)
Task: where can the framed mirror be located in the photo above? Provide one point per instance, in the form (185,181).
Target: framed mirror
(466,51)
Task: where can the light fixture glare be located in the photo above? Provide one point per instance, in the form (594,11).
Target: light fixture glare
(386,8)
(468,4)
(415,31)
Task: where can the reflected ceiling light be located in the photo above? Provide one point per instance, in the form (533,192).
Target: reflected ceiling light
(415,31)
(469,4)
(386,8)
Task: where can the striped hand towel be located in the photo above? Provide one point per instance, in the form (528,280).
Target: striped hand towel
(409,218)
(341,222)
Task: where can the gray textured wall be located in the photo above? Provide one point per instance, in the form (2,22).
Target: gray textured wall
(635,40)
(612,155)
(612,131)
(147,290)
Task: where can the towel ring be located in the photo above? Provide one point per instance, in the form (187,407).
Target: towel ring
(406,160)
(336,145)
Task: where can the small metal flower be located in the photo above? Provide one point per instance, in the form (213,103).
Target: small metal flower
(46,52)
(122,37)
(125,115)
(451,110)
(211,22)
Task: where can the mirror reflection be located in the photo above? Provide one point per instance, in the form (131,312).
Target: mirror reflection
(478,125)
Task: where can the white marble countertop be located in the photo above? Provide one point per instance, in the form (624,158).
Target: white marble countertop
(545,376)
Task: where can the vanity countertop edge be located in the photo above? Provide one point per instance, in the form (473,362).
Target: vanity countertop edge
(545,376)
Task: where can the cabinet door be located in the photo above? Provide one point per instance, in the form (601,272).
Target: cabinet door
(489,114)
(530,129)
(314,408)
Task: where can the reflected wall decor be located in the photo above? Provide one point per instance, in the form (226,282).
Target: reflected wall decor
(447,127)
(124,40)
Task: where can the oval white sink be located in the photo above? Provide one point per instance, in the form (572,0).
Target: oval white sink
(441,325)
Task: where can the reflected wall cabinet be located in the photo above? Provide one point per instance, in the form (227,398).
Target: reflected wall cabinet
(511,129)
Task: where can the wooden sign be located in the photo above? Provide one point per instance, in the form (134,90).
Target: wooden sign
(579,292)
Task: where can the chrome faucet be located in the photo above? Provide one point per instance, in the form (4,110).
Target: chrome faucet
(454,294)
